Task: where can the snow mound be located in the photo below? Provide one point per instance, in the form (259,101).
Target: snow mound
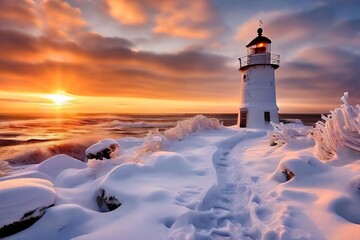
(355,184)
(340,128)
(26,174)
(19,197)
(300,168)
(55,165)
(106,148)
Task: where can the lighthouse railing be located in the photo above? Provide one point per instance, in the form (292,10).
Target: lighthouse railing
(261,58)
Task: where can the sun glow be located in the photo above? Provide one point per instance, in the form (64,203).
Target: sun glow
(60,98)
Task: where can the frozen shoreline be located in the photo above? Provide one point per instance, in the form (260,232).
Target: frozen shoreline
(215,183)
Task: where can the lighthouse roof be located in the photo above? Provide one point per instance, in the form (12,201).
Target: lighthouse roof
(259,39)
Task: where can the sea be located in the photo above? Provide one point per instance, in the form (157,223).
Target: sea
(30,139)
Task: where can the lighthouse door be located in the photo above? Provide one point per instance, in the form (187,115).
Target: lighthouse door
(243,118)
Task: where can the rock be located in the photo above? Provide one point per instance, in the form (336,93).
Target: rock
(106,203)
(26,221)
(105,153)
(288,174)
(23,201)
(107,148)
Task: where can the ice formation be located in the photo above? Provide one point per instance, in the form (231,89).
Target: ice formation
(186,127)
(340,128)
(156,141)
(5,168)
(284,133)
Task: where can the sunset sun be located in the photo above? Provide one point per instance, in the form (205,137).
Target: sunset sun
(60,98)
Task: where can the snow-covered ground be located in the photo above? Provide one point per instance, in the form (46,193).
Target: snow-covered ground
(212,182)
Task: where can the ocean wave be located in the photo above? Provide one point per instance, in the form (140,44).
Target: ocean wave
(137,124)
(11,142)
(75,149)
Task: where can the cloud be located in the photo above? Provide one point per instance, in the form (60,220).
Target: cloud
(20,14)
(61,20)
(127,12)
(320,75)
(321,24)
(98,65)
(17,45)
(186,58)
(93,40)
(247,30)
(177,18)
(174,19)
(301,25)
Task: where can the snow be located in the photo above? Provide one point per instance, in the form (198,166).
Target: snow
(22,195)
(55,165)
(200,180)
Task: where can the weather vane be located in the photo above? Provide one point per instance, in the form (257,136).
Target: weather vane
(260,23)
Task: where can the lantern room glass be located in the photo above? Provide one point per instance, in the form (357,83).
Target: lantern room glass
(259,48)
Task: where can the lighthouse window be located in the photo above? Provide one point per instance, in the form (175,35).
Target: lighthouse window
(260,50)
(267,116)
(244,77)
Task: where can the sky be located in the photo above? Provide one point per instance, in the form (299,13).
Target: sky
(161,56)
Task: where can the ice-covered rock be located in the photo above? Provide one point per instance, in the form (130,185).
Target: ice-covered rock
(23,201)
(107,148)
(55,165)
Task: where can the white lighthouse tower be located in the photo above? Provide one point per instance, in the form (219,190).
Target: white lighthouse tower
(257,89)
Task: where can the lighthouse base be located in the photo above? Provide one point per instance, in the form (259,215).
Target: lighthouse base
(257,117)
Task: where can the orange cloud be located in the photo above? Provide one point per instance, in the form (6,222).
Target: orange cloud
(177,18)
(20,14)
(188,19)
(61,20)
(128,12)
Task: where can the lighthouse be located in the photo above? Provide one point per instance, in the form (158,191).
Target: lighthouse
(257,88)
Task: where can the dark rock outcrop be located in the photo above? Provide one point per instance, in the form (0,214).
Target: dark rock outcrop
(26,221)
(104,153)
(107,203)
(288,174)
